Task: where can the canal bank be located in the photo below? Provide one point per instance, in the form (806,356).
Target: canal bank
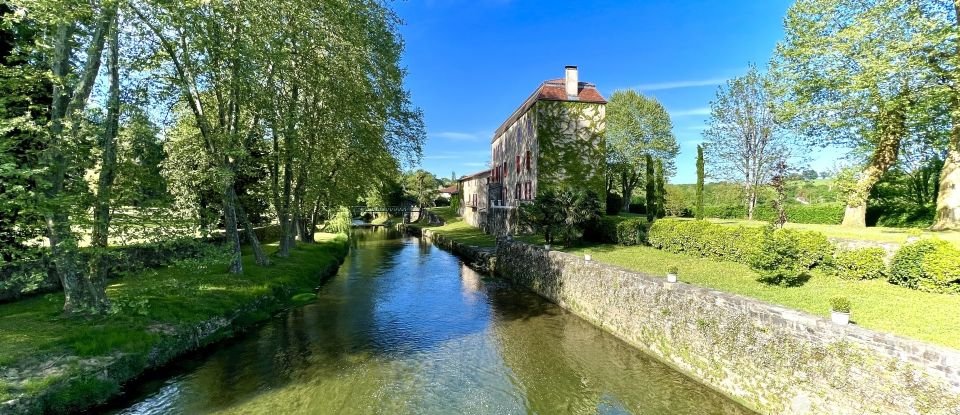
(408,328)
(772,359)
(53,364)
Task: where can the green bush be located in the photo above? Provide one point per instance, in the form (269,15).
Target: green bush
(705,239)
(895,216)
(614,204)
(821,213)
(632,231)
(603,230)
(927,265)
(781,257)
(859,264)
(815,248)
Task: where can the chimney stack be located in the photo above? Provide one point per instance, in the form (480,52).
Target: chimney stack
(571,82)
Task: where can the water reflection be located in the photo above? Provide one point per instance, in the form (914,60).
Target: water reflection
(407,328)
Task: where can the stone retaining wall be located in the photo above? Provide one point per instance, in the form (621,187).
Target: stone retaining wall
(772,359)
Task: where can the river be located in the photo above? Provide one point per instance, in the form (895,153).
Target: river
(407,328)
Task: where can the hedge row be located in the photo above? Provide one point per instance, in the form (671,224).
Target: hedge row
(822,213)
(621,230)
(783,255)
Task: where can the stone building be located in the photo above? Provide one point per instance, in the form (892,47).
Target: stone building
(474,200)
(554,139)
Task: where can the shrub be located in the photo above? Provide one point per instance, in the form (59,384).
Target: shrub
(941,270)
(705,239)
(859,264)
(900,216)
(840,304)
(815,248)
(638,208)
(821,213)
(568,214)
(927,265)
(632,231)
(614,204)
(603,230)
(906,268)
(780,257)
(725,212)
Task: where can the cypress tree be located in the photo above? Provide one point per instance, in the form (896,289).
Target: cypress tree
(651,202)
(700,177)
(661,191)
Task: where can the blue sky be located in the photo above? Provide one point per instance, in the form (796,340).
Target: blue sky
(471,63)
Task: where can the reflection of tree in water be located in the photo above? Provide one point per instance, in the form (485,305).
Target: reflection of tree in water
(566,365)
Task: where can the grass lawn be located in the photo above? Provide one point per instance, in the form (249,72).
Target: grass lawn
(876,304)
(873,233)
(455,228)
(150,304)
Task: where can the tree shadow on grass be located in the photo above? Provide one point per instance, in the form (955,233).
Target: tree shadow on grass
(784,279)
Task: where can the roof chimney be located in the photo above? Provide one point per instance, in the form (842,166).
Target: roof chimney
(571,82)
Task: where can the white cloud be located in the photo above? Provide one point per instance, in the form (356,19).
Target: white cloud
(690,112)
(690,83)
(460,135)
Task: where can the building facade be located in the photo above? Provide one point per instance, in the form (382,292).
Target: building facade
(553,140)
(474,200)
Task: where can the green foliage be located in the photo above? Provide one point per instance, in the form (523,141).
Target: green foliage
(660,191)
(705,239)
(341,222)
(928,265)
(824,213)
(781,258)
(566,214)
(614,203)
(632,231)
(565,160)
(859,264)
(840,304)
(701,175)
(604,229)
(650,203)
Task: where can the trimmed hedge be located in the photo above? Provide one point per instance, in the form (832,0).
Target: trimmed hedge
(632,232)
(705,239)
(822,213)
(859,264)
(735,243)
(927,265)
(622,230)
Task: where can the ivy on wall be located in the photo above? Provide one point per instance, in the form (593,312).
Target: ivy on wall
(572,146)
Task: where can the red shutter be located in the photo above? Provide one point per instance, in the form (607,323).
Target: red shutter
(528,160)
(518,164)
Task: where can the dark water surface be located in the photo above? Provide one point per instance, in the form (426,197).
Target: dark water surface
(406,328)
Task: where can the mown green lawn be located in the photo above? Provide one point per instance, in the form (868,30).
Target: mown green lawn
(455,228)
(876,304)
(34,331)
(873,233)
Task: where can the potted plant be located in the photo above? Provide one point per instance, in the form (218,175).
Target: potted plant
(672,274)
(840,310)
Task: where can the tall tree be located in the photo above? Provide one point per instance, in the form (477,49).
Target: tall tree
(661,190)
(847,79)
(651,188)
(743,137)
(636,126)
(701,176)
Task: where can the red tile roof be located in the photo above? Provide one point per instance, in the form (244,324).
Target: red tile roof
(552,90)
(449,189)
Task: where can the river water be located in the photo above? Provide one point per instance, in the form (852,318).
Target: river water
(406,328)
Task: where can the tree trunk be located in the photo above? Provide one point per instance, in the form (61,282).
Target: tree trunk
(258,253)
(230,223)
(891,127)
(948,197)
(80,295)
(101,213)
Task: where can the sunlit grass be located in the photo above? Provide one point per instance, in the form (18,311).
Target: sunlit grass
(34,330)
(873,233)
(877,304)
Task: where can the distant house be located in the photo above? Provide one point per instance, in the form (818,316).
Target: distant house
(447,192)
(475,202)
(554,139)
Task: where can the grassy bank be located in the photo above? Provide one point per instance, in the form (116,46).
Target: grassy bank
(876,304)
(456,229)
(53,364)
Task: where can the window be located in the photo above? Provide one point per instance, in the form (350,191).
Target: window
(518,164)
(504,169)
(528,160)
(518,194)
